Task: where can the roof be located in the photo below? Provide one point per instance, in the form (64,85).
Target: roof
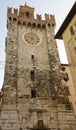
(66,22)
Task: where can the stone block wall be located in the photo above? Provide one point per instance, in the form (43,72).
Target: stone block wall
(22,108)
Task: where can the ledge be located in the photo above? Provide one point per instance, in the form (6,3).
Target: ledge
(38,110)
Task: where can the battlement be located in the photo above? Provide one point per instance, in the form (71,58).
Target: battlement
(10,12)
(25,15)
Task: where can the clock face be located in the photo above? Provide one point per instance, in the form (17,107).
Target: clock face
(31,38)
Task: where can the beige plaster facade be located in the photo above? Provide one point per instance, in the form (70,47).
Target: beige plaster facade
(67,32)
(70,85)
(70,45)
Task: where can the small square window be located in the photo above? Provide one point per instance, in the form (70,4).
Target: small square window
(66,77)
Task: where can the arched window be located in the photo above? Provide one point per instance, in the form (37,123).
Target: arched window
(24,23)
(33,25)
(38,25)
(29,24)
(14,19)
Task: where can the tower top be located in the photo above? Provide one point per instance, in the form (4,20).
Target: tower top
(25,15)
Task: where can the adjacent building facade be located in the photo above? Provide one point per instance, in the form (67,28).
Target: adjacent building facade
(67,32)
(69,86)
(34,97)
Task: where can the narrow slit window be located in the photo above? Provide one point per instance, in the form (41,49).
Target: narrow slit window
(32,56)
(32,75)
(33,93)
(27,14)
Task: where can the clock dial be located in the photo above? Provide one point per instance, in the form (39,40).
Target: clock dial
(32,38)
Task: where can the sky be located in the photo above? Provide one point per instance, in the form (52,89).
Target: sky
(59,8)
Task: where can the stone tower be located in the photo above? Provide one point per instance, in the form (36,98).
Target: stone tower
(33,95)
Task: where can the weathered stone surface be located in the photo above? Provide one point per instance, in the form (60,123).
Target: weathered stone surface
(33,100)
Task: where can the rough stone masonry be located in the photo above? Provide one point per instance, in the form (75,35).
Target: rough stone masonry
(33,94)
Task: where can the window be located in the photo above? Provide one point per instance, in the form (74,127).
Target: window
(19,22)
(29,24)
(63,68)
(24,23)
(0,127)
(66,89)
(33,25)
(14,19)
(32,74)
(66,77)
(33,93)
(10,18)
(69,106)
(32,56)
(27,14)
(49,24)
(20,128)
(71,30)
(40,124)
(75,49)
(39,25)
(72,52)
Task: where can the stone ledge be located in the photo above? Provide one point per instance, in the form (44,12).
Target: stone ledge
(37,110)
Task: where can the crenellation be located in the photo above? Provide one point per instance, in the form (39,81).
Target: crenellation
(47,17)
(39,18)
(24,17)
(33,95)
(52,18)
(16,12)
(9,11)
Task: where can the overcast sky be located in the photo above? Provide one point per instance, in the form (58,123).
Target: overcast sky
(59,8)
